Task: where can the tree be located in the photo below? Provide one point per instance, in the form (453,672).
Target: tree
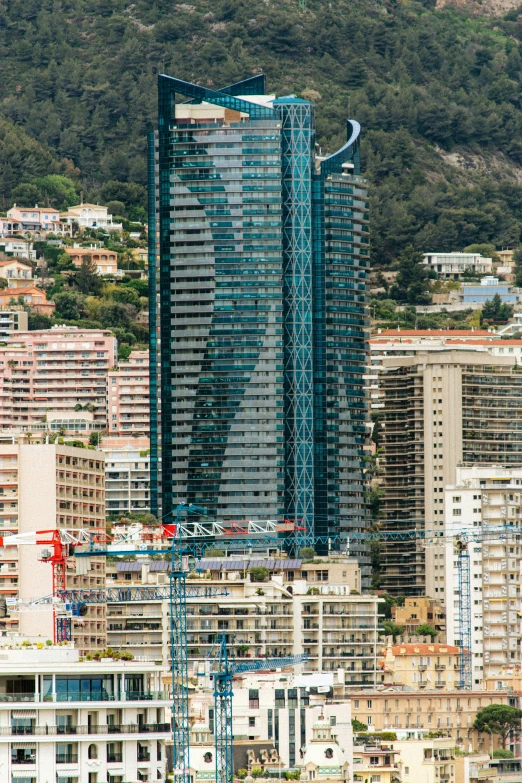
(87,278)
(427,630)
(495,311)
(357,726)
(389,628)
(259,574)
(387,602)
(69,306)
(412,279)
(307,553)
(499,719)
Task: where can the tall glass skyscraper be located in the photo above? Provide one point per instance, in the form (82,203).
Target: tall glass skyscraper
(258,259)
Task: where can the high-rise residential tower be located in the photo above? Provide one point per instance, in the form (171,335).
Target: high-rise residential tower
(258,258)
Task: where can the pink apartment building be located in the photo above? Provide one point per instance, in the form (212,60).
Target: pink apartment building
(54,370)
(128,396)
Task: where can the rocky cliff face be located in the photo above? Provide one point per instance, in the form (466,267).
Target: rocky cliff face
(482,7)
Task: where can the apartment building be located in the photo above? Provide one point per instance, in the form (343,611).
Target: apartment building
(488,496)
(63,719)
(299,607)
(50,487)
(128,396)
(417,342)
(127,480)
(54,369)
(418,666)
(451,712)
(440,410)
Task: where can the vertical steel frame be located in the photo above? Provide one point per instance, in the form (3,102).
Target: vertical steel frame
(464,615)
(298,144)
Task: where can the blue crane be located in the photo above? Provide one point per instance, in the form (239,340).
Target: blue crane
(223,667)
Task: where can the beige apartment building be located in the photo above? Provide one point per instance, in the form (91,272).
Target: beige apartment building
(418,666)
(45,488)
(300,607)
(128,396)
(54,370)
(451,712)
(441,409)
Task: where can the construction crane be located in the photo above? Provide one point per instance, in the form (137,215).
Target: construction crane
(223,667)
(182,538)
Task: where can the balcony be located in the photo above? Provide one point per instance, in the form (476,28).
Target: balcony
(440,683)
(439,667)
(44,731)
(113,758)
(143,754)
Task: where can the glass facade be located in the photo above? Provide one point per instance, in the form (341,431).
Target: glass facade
(257,258)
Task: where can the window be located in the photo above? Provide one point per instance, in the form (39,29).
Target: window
(374,761)
(92,752)
(23,755)
(457,498)
(251,721)
(279,697)
(253,698)
(356,704)
(369,704)
(457,512)
(369,720)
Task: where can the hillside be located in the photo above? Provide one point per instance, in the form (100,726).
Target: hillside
(431,87)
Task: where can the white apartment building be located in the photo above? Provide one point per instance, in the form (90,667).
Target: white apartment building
(282,709)
(74,721)
(453,266)
(488,496)
(47,487)
(127,480)
(314,608)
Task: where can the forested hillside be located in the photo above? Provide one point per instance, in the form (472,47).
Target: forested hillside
(438,94)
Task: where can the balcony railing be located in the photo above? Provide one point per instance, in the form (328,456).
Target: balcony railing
(143,755)
(43,731)
(114,757)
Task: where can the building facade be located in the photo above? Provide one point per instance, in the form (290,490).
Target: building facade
(50,487)
(54,370)
(487,496)
(453,266)
(127,480)
(69,720)
(258,256)
(452,712)
(299,607)
(440,410)
(106,261)
(128,393)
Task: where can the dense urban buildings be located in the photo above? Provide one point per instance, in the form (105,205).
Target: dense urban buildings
(258,259)
(314,608)
(127,478)
(441,409)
